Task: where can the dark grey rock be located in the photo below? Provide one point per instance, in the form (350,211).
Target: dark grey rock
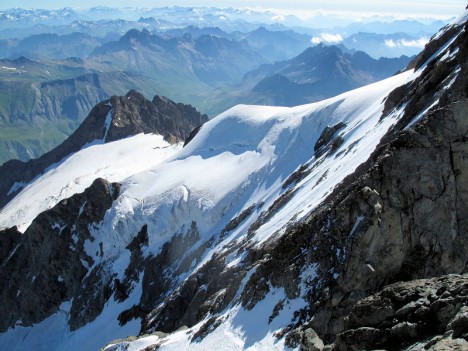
(47,265)
(311,341)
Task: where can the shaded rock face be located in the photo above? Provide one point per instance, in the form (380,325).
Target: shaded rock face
(429,312)
(129,115)
(8,239)
(49,261)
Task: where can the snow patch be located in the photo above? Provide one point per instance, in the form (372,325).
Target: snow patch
(108,124)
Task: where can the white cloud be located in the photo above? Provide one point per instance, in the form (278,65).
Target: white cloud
(316,40)
(327,38)
(391,43)
(416,43)
(278,18)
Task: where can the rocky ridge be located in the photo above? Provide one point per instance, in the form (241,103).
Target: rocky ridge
(47,260)
(116,118)
(431,312)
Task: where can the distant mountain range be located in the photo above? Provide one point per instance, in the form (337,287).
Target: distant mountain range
(317,73)
(59,63)
(207,58)
(44,101)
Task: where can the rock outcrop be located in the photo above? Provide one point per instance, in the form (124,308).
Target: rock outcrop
(426,314)
(113,119)
(48,263)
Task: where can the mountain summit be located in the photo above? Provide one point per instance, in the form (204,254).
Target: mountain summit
(113,119)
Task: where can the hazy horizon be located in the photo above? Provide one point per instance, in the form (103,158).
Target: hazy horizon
(301,8)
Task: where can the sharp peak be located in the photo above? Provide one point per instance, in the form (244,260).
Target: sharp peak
(134,94)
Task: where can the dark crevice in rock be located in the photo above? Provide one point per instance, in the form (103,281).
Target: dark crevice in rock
(9,238)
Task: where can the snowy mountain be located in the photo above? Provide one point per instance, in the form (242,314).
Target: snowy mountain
(110,120)
(268,230)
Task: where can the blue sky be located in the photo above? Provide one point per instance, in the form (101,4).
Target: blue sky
(436,8)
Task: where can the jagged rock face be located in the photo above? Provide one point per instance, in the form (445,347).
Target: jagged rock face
(126,116)
(133,114)
(49,261)
(429,312)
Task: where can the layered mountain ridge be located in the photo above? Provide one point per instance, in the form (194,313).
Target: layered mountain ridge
(273,228)
(317,73)
(44,101)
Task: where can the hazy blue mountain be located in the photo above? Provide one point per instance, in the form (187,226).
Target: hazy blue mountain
(196,32)
(51,46)
(411,27)
(207,58)
(317,73)
(275,45)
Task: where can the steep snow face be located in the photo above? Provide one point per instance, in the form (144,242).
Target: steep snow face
(240,159)
(113,161)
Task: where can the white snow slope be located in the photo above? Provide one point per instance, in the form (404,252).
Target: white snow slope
(238,159)
(74,174)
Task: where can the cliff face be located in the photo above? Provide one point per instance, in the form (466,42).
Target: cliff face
(49,261)
(113,119)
